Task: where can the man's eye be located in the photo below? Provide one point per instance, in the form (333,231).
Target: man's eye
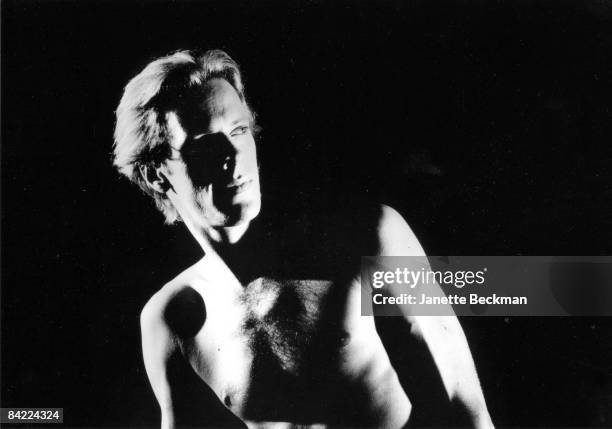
(240,131)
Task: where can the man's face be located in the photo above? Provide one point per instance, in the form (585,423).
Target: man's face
(213,169)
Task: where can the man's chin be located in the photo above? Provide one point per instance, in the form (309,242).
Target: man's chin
(242,213)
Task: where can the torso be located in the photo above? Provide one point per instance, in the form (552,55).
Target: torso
(281,351)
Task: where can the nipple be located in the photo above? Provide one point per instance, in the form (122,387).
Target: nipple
(338,339)
(343,338)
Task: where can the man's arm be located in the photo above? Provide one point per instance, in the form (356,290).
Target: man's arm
(169,322)
(442,335)
(159,348)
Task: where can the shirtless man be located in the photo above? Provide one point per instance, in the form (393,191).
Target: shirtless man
(268,323)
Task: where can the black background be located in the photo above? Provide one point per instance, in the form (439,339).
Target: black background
(486,124)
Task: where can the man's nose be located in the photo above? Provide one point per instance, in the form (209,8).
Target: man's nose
(226,152)
(229,164)
(210,160)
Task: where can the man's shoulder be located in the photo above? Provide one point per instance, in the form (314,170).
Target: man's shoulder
(371,217)
(380,224)
(177,306)
(394,236)
(358,227)
(383,218)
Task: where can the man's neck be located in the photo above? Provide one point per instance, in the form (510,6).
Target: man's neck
(213,239)
(241,249)
(226,235)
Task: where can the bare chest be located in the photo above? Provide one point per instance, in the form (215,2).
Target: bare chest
(289,322)
(287,339)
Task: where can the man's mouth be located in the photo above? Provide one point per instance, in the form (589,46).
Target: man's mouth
(239,186)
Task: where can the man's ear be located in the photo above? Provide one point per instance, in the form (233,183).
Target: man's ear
(155,178)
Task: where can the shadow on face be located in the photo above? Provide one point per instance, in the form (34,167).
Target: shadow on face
(209,160)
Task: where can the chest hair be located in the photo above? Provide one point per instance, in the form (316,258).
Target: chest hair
(282,320)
